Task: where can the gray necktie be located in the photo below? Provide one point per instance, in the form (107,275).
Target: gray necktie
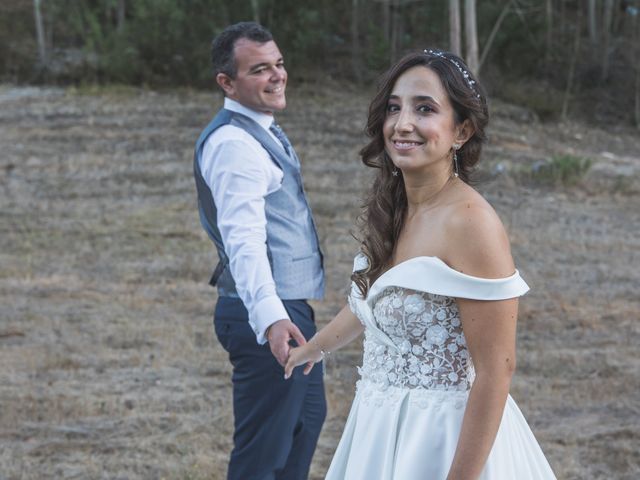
(280,135)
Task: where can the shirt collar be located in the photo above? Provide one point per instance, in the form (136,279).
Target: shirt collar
(263,119)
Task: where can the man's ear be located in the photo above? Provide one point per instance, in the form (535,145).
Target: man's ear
(226,83)
(464,132)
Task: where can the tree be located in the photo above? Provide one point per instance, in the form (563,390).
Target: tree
(255,8)
(572,64)
(455,44)
(606,37)
(549,32)
(492,35)
(636,54)
(356,64)
(396,29)
(593,30)
(42,47)
(121,15)
(471,34)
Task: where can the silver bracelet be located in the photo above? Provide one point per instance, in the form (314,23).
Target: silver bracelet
(314,342)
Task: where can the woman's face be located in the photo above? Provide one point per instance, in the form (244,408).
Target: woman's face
(419,129)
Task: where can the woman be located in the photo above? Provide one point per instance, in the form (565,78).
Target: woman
(436,292)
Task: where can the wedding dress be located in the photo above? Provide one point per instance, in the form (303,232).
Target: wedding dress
(415,379)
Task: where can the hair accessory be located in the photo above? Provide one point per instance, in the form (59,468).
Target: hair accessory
(464,73)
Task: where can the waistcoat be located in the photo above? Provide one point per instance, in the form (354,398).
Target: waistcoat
(292,246)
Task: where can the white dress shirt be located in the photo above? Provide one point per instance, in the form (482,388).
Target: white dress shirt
(240,173)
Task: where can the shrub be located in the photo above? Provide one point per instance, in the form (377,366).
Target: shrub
(563,170)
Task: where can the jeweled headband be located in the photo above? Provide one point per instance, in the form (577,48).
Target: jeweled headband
(471,82)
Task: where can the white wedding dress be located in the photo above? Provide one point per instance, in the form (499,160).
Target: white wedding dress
(415,378)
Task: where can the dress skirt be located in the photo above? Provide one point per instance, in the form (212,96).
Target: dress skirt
(412,434)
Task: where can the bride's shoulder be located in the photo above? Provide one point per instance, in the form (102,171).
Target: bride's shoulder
(477,242)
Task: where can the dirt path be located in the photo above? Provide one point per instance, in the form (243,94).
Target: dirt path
(109,364)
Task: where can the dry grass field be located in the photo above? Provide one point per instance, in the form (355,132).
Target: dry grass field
(109,368)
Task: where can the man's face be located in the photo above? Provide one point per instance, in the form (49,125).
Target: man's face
(261,78)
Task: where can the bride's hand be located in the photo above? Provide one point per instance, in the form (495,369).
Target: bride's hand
(308,353)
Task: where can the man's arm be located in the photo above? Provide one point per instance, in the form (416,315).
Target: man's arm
(239,178)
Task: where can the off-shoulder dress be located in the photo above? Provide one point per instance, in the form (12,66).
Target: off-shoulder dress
(416,375)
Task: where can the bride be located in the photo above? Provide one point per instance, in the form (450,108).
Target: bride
(436,293)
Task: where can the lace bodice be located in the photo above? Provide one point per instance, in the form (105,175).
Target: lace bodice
(413,334)
(432,352)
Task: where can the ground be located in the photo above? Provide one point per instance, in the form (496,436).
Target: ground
(110,368)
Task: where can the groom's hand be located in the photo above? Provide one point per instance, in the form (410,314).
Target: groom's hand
(279,334)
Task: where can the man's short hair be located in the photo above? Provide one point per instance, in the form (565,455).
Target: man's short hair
(222,57)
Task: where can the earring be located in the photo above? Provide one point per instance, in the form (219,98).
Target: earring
(456,147)
(394,172)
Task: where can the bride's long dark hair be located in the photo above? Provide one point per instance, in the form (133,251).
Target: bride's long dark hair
(385,207)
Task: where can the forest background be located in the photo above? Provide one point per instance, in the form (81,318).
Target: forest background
(556,57)
(109,367)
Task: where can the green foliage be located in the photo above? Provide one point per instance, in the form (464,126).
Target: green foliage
(18,49)
(565,170)
(377,58)
(518,48)
(166,42)
(162,42)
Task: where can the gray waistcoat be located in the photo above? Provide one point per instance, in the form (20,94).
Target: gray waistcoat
(292,242)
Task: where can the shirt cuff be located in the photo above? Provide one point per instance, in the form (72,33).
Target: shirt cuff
(265,313)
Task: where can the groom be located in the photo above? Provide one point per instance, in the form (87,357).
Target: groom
(253,207)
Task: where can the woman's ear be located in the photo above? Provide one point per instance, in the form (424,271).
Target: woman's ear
(464,132)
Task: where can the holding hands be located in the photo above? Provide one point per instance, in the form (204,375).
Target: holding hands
(279,335)
(309,353)
(341,330)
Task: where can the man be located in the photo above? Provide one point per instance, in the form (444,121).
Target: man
(252,205)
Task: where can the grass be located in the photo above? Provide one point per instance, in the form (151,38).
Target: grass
(561,170)
(105,313)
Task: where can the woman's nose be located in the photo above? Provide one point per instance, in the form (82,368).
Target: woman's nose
(404,121)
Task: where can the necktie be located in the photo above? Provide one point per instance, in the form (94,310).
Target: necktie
(280,135)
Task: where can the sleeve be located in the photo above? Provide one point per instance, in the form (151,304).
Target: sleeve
(430,274)
(239,179)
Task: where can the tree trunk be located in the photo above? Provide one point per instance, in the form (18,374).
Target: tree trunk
(455,44)
(49,22)
(355,42)
(572,64)
(255,8)
(593,31)
(386,20)
(121,15)
(606,38)
(492,35)
(42,48)
(549,38)
(636,43)
(471,34)
(396,30)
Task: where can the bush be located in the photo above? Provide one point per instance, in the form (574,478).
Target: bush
(566,170)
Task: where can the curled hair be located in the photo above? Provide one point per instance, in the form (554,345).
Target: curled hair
(222,55)
(385,207)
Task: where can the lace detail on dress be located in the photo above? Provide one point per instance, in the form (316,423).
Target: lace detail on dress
(371,393)
(431,351)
